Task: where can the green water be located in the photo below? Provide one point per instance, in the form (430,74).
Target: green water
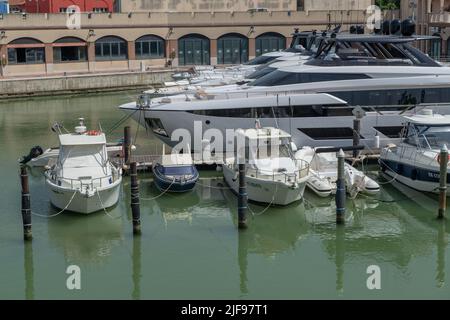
(190,247)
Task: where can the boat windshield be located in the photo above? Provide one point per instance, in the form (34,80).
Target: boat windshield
(260,60)
(178,170)
(431,137)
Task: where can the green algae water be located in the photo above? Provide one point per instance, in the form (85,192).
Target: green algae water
(190,247)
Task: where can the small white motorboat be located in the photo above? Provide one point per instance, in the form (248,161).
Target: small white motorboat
(51,154)
(83,179)
(323,174)
(273,176)
(415,161)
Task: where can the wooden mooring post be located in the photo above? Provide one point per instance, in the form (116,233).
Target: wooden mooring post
(135,204)
(126,149)
(443,161)
(242,199)
(26,204)
(356,136)
(340,189)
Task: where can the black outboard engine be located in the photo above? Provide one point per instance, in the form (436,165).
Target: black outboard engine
(386,27)
(408,27)
(353,29)
(395,27)
(34,153)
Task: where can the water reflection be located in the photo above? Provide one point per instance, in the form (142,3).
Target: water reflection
(137,275)
(29,270)
(441,247)
(87,238)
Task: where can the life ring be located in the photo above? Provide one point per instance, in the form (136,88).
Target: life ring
(93,133)
(439,158)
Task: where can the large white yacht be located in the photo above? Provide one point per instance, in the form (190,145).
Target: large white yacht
(382,75)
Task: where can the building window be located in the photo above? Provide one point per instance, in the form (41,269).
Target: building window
(69,49)
(19,53)
(111,48)
(194,49)
(149,47)
(270,42)
(300,5)
(100,10)
(232,49)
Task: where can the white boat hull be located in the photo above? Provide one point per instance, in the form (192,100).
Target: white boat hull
(267,191)
(103,198)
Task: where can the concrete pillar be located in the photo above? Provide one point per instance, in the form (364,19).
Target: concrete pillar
(131,55)
(131,50)
(441,9)
(3,59)
(213,51)
(428,6)
(48,58)
(251,48)
(172,51)
(91,56)
(288,42)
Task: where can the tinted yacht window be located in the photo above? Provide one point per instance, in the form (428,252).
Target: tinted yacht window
(260,60)
(260,73)
(281,78)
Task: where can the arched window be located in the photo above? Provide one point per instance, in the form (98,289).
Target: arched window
(270,42)
(194,49)
(26,51)
(69,49)
(111,48)
(149,47)
(232,48)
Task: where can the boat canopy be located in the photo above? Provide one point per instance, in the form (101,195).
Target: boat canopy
(429,119)
(81,139)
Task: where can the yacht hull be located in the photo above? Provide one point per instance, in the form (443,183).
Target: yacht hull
(103,198)
(267,191)
(417,178)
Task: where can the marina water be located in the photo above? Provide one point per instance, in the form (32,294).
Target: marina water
(190,247)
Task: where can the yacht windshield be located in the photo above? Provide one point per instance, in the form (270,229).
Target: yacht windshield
(260,73)
(260,60)
(432,137)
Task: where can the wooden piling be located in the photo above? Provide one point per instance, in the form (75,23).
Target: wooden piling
(340,189)
(126,149)
(26,204)
(135,205)
(356,136)
(443,161)
(242,199)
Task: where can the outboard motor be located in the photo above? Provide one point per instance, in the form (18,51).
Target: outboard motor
(408,27)
(353,29)
(34,153)
(395,27)
(386,27)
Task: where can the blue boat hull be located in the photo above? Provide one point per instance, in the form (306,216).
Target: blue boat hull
(166,184)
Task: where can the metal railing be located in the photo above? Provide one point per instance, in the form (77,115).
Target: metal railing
(81,183)
(291,177)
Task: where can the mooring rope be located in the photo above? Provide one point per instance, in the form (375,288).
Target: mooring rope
(56,214)
(104,208)
(254,214)
(160,195)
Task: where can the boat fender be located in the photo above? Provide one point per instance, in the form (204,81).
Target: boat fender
(93,133)
(439,158)
(35,152)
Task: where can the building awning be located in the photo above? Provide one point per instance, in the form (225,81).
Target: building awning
(70,44)
(24,45)
(16,2)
